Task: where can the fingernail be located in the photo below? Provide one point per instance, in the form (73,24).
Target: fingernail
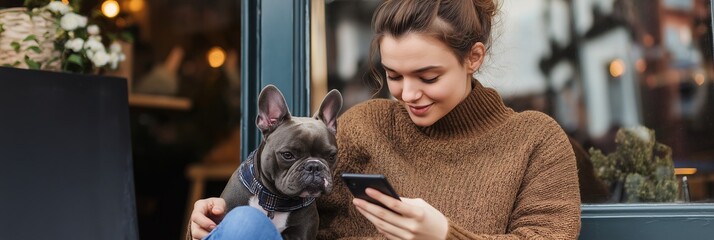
(212,226)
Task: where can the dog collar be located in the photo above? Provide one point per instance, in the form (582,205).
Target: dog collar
(269,201)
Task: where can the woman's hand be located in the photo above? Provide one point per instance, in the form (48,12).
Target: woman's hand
(206,214)
(418,219)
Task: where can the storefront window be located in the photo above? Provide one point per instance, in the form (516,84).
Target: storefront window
(184,51)
(599,67)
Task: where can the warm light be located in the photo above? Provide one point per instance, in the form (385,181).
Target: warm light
(641,65)
(136,5)
(617,68)
(216,57)
(648,40)
(684,171)
(66,2)
(110,8)
(699,79)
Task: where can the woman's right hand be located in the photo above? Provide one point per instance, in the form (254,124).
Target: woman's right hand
(206,214)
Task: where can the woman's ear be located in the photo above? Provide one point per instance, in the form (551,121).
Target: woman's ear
(475,57)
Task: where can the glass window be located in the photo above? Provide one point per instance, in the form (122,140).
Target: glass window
(185,52)
(606,70)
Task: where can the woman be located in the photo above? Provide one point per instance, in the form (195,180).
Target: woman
(479,169)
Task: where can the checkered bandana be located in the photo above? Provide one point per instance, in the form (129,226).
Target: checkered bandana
(269,201)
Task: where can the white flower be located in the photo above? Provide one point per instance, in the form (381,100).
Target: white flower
(114,60)
(58,7)
(115,55)
(100,58)
(642,132)
(96,38)
(82,20)
(92,44)
(93,29)
(72,21)
(115,47)
(75,44)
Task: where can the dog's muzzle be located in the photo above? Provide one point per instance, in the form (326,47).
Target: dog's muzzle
(316,178)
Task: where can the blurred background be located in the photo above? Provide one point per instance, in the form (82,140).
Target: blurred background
(593,65)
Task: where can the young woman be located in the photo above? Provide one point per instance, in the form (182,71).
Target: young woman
(466,166)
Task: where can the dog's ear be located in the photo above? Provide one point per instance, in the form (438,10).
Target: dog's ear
(329,109)
(272,109)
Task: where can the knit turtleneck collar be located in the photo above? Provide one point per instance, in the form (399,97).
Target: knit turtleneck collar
(480,110)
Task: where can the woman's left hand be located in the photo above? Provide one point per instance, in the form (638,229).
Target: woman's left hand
(418,219)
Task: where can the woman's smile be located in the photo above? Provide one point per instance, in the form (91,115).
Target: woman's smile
(419,110)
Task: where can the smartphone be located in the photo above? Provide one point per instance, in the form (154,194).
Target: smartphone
(357,183)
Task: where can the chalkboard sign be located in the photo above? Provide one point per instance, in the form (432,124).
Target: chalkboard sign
(65,157)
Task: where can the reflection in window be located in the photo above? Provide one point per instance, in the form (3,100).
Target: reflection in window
(596,66)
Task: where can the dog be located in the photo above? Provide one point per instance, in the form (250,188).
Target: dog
(292,165)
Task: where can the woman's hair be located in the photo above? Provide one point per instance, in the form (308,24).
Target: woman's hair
(458,23)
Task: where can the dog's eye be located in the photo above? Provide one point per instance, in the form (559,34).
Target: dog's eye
(332,157)
(287,155)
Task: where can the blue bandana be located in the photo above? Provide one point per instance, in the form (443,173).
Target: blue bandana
(269,201)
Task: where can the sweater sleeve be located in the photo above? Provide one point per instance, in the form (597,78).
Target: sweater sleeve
(548,202)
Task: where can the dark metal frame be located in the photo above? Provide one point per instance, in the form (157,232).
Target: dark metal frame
(647,221)
(274,50)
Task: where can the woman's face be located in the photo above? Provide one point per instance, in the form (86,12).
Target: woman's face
(424,75)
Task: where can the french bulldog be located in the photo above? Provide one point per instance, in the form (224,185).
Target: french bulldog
(292,165)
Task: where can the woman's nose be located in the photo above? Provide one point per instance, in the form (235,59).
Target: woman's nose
(411,91)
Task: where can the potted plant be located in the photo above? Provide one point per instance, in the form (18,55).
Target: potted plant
(51,35)
(639,170)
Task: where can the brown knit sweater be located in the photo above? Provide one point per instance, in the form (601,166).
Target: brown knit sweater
(494,173)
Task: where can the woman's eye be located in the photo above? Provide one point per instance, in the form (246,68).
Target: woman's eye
(287,155)
(430,80)
(394,78)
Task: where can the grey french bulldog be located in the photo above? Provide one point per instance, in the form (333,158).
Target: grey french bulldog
(291,167)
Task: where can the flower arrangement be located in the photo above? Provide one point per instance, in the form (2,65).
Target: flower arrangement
(80,45)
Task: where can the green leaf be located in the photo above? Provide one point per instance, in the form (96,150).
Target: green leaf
(75,59)
(17,63)
(7,65)
(31,64)
(30,4)
(54,59)
(31,37)
(16,46)
(127,36)
(2,29)
(35,49)
(96,14)
(112,36)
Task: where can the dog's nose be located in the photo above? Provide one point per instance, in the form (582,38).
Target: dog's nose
(313,167)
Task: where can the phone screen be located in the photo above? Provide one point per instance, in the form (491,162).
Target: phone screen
(357,183)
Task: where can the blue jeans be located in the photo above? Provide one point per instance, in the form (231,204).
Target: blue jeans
(245,222)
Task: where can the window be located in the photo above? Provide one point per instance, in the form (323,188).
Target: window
(595,66)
